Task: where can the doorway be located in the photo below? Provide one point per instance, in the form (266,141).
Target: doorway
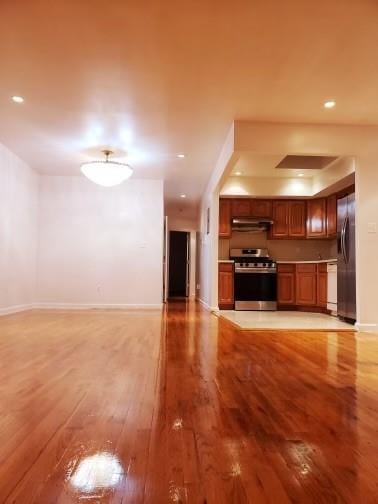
(179,264)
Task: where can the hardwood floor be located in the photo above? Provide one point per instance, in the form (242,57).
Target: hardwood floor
(124,407)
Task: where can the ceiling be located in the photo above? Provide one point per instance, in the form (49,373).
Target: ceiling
(159,78)
(252,164)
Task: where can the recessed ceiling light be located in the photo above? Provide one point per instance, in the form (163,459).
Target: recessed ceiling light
(300,174)
(329,104)
(182,195)
(17,99)
(238,173)
(181,155)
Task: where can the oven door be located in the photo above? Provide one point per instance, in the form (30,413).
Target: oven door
(255,290)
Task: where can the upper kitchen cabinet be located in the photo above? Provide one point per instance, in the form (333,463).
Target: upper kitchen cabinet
(261,208)
(297,219)
(289,219)
(224,218)
(241,208)
(332,215)
(317,218)
(280,227)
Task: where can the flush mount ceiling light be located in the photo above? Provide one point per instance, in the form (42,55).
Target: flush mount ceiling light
(329,104)
(180,155)
(182,195)
(238,173)
(106,173)
(17,99)
(300,174)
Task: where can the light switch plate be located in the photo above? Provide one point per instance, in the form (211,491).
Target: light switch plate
(372,227)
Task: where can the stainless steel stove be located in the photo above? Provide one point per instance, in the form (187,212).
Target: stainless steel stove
(255,279)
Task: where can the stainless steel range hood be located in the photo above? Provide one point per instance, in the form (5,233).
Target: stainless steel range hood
(251,225)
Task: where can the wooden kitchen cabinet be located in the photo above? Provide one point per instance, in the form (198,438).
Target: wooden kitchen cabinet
(289,219)
(306,284)
(261,208)
(302,286)
(297,219)
(317,218)
(224,218)
(280,212)
(322,281)
(226,286)
(286,284)
(331,215)
(241,208)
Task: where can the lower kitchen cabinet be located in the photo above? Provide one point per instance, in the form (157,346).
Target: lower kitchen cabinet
(306,292)
(322,282)
(286,284)
(302,286)
(226,286)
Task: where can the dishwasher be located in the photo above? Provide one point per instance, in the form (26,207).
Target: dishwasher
(332,287)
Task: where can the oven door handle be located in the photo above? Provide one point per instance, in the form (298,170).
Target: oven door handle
(259,271)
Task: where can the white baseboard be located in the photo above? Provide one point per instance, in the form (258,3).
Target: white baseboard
(16,309)
(95,306)
(207,307)
(366,327)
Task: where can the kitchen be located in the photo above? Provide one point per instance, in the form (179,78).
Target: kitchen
(288,262)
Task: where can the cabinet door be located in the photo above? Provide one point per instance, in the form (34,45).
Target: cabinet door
(280,228)
(241,208)
(224,218)
(332,215)
(286,284)
(322,285)
(226,286)
(261,208)
(306,287)
(297,219)
(317,218)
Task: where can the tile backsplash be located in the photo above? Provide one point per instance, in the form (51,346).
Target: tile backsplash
(280,250)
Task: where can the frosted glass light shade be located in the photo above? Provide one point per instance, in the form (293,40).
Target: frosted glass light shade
(106,173)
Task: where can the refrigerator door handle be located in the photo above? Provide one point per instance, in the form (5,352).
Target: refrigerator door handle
(346,245)
(343,234)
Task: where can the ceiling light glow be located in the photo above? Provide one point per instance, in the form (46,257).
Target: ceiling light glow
(329,104)
(238,173)
(181,155)
(182,195)
(300,174)
(18,99)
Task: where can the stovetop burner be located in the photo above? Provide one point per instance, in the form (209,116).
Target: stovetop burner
(252,258)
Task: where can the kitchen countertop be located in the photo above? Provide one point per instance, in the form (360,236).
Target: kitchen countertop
(317,261)
(226,261)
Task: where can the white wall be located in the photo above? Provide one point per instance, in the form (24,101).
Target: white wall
(18,232)
(100,246)
(367,241)
(208,246)
(267,187)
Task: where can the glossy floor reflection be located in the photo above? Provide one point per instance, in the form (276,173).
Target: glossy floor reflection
(124,407)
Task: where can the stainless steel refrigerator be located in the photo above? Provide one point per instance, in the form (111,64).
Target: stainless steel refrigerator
(346,260)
